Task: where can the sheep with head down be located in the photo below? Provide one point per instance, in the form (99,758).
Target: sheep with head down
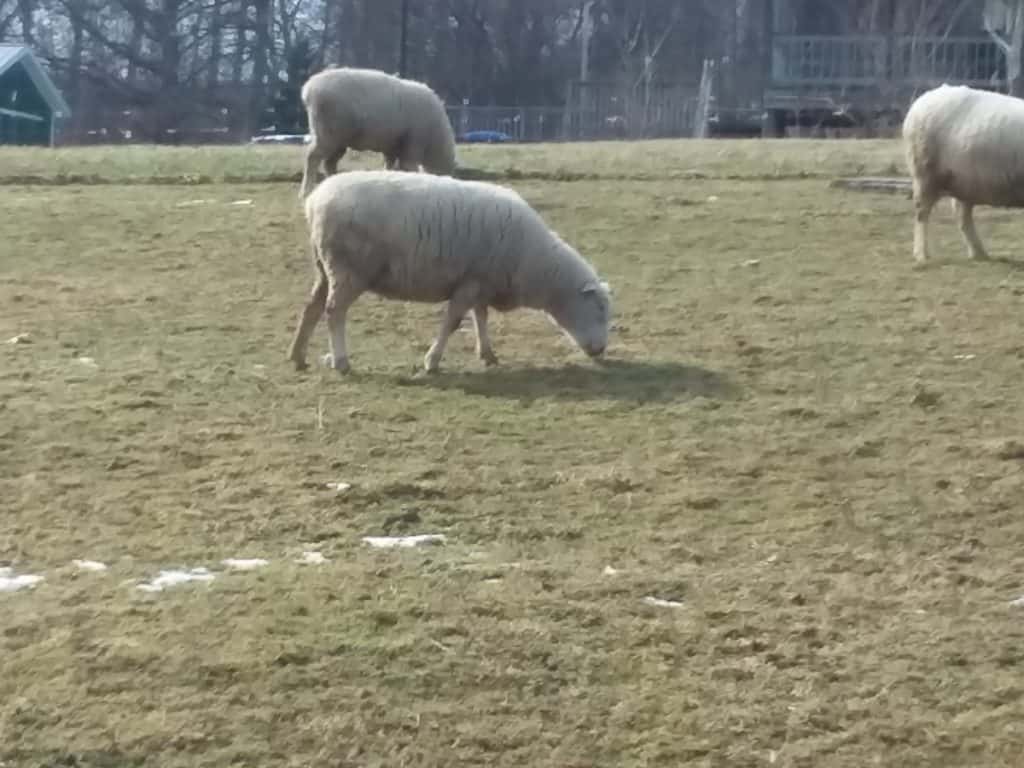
(967,144)
(371,110)
(424,238)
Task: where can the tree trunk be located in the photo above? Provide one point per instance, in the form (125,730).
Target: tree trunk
(260,67)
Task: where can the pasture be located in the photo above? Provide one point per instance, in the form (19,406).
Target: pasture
(807,452)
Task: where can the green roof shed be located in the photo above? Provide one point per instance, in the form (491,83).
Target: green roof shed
(30,104)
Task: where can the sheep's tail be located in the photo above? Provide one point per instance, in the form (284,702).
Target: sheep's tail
(306,92)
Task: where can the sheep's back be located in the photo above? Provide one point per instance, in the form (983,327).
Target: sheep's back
(969,144)
(364,108)
(418,236)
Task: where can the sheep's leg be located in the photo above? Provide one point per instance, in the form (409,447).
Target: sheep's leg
(409,161)
(309,173)
(483,338)
(965,219)
(308,319)
(924,201)
(331,161)
(458,305)
(342,292)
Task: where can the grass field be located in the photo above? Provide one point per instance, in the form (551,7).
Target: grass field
(813,448)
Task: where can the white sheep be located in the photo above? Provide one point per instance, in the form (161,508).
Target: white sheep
(366,109)
(425,238)
(968,144)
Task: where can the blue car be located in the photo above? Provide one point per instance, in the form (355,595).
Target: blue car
(485,137)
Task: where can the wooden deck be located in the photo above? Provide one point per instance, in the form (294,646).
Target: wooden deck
(875,72)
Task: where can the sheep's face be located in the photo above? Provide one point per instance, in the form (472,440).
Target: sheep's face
(587,317)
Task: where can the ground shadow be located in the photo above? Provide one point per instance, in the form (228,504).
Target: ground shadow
(633,381)
(1006,261)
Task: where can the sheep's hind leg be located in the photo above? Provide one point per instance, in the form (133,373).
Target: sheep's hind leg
(965,219)
(343,290)
(924,201)
(458,305)
(332,160)
(310,172)
(483,338)
(307,320)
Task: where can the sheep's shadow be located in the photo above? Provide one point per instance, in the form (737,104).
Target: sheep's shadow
(634,381)
(959,262)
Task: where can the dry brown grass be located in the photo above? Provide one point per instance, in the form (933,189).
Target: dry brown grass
(792,449)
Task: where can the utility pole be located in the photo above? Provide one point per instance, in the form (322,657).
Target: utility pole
(403,56)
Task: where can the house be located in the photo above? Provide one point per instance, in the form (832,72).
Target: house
(30,104)
(821,72)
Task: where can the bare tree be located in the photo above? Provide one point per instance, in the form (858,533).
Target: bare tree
(1004,22)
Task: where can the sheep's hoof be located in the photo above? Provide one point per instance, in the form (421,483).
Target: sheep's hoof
(300,365)
(340,364)
(489,358)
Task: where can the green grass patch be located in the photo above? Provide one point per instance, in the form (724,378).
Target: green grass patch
(667,159)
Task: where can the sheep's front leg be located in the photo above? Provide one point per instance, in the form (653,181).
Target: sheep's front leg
(308,319)
(342,292)
(483,338)
(458,305)
(965,219)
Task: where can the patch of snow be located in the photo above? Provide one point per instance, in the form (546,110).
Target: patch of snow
(964,357)
(21,338)
(390,542)
(175,578)
(188,203)
(339,486)
(752,262)
(89,361)
(713,198)
(241,202)
(609,571)
(658,602)
(10,582)
(89,565)
(311,558)
(1018,603)
(243,564)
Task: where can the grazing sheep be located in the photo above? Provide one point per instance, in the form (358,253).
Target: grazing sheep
(968,144)
(366,109)
(425,238)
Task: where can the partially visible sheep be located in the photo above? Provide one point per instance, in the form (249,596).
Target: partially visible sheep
(968,144)
(366,109)
(425,238)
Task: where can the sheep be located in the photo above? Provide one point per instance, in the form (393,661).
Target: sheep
(968,144)
(366,109)
(424,238)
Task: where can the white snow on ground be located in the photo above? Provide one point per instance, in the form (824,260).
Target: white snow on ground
(175,578)
(89,565)
(243,564)
(390,542)
(11,582)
